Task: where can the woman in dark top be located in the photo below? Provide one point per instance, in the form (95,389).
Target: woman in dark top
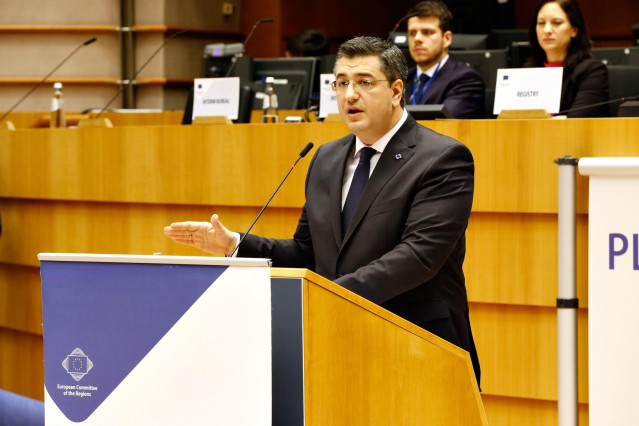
(559,38)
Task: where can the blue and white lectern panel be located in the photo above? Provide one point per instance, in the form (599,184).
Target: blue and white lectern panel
(156,340)
(613,289)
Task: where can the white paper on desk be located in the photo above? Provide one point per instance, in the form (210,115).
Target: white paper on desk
(328,98)
(528,88)
(216,97)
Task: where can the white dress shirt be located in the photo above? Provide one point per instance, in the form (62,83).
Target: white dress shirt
(379,146)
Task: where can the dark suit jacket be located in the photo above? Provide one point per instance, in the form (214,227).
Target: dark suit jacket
(587,84)
(455,85)
(405,245)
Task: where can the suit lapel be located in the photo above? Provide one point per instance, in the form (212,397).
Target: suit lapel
(395,156)
(336,171)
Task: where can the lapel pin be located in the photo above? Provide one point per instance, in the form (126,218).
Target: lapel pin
(398,156)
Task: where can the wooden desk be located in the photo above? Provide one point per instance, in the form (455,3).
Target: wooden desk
(113,190)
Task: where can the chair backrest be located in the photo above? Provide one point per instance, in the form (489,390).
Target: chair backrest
(518,53)
(624,83)
(617,55)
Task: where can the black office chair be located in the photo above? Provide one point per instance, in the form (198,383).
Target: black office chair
(518,53)
(617,55)
(624,83)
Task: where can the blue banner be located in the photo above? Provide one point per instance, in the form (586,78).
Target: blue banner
(94,337)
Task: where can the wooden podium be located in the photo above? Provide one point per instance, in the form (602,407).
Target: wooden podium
(363,365)
(206,340)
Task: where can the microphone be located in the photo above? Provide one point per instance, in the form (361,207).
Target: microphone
(392,33)
(631,98)
(305,151)
(248,37)
(86,43)
(126,83)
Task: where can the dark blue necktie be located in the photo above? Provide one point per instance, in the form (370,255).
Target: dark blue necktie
(420,91)
(360,178)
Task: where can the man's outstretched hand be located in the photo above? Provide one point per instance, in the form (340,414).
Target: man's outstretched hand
(211,237)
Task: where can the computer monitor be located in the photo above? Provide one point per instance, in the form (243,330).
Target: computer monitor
(502,38)
(468,41)
(429,112)
(293,80)
(241,67)
(487,62)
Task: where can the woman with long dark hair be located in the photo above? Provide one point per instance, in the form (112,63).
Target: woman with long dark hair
(559,38)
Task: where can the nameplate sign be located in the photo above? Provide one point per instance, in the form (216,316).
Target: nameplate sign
(527,89)
(328,98)
(216,97)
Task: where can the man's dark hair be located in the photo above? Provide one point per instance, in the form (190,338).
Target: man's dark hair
(391,59)
(579,47)
(309,42)
(433,8)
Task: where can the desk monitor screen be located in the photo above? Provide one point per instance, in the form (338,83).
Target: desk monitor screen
(293,80)
(428,112)
(486,62)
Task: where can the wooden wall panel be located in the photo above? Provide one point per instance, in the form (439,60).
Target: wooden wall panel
(116,228)
(517,347)
(525,412)
(62,12)
(20,298)
(112,190)
(522,252)
(22,363)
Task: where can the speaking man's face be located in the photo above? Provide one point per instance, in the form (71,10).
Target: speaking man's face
(368,103)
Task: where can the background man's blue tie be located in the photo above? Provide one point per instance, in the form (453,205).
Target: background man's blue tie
(419,92)
(360,178)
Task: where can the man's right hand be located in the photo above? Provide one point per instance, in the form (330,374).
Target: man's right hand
(211,237)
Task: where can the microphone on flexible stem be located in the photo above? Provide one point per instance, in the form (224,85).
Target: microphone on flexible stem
(305,151)
(623,99)
(126,83)
(248,37)
(392,33)
(86,43)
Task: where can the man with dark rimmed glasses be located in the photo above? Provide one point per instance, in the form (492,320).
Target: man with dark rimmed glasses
(386,207)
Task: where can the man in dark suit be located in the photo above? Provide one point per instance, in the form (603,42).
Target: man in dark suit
(437,78)
(386,207)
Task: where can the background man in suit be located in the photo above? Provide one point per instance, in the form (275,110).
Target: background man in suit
(437,78)
(386,207)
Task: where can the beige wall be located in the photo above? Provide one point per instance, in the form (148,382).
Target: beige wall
(36,35)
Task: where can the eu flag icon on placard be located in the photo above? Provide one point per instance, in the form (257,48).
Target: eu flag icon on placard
(77,364)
